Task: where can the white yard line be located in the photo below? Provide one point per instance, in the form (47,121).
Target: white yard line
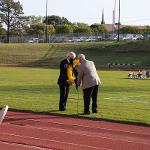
(128,98)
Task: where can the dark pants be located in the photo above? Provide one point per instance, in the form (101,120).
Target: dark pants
(87,94)
(64,91)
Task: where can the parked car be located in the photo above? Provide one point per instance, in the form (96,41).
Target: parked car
(91,38)
(139,37)
(115,37)
(33,40)
(128,37)
(76,39)
(84,39)
(99,38)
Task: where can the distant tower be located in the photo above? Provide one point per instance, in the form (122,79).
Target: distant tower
(103,21)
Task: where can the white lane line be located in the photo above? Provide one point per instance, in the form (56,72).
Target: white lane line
(68,143)
(23,145)
(89,127)
(81,133)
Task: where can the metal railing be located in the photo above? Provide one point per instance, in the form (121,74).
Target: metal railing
(72,37)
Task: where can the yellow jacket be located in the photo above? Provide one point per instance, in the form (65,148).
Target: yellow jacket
(70,73)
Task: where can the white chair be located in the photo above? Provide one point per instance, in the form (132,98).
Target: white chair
(3,113)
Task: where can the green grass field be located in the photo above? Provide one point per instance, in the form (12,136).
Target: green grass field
(102,53)
(35,89)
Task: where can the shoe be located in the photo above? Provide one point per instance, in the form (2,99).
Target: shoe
(62,109)
(86,113)
(95,111)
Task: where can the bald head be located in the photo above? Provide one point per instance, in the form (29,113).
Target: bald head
(81,57)
(71,55)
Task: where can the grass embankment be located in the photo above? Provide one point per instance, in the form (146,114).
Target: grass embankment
(34,89)
(135,52)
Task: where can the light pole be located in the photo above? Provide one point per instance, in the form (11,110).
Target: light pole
(46,34)
(119,23)
(114,18)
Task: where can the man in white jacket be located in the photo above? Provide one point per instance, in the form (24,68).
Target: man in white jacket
(87,74)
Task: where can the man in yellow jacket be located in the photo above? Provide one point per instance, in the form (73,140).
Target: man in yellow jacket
(72,72)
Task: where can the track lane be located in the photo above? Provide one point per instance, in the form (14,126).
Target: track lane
(74,138)
(63,133)
(15,116)
(87,130)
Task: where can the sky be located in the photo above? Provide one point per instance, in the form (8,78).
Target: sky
(133,12)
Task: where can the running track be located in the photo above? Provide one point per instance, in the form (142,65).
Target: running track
(28,131)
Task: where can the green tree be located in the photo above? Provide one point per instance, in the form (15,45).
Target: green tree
(40,29)
(35,20)
(32,23)
(98,28)
(50,29)
(146,30)
(36,29)
(56,20)
(2,30)
(10,14)
(62,29)
(82,28)
(130,30)
(22,27)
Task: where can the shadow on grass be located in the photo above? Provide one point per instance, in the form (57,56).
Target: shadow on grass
(78,115)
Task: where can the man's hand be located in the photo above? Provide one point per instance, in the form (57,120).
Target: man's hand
(75,81)
(69,82)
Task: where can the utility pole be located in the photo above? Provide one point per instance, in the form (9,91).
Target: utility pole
(103,20)
(114,19)
(46,34)
(119,23)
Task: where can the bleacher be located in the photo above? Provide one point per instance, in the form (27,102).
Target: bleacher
(121,65)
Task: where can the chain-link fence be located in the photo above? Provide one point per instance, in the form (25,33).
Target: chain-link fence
(72,37)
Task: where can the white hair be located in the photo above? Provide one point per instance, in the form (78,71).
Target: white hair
(81,57)
(71,55)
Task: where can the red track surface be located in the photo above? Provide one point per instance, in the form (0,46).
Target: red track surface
(28,131)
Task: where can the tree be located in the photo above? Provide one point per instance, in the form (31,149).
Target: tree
(56,20)
(22,27)
(146,30)
(10,14)
(51,29)
(130,30)
(82,28)
(27,25)
(32,20)
(2,30)
(98,28)
(61,29)
(40,29)
(36,29)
